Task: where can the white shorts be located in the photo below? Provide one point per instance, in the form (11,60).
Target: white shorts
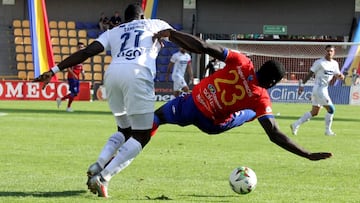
(320,96)
(130,89)
(179,83)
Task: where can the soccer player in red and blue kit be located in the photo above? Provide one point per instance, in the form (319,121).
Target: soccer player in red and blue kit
(73,76)
(235,87)
(182,111)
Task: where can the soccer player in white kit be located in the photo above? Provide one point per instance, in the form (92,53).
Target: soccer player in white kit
(179,63)
(129,82)
(324,70)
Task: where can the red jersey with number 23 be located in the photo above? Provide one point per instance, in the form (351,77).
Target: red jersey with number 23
(231,89)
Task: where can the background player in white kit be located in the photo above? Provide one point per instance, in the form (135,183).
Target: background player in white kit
(179,63)
(324,69)
(129,82)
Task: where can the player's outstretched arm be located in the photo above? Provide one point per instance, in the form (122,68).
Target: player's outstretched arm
(192,43)
(74,59)
(279,138)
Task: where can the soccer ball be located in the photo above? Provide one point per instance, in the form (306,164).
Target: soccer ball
(242,180)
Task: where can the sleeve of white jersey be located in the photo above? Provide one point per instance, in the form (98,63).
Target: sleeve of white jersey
(173,58)
(162,25)
(315,67)
(104,40)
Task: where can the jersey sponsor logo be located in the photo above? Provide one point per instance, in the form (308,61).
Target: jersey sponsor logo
(328,72)
(283,94)
(211,98)
(130,54)
(212,89)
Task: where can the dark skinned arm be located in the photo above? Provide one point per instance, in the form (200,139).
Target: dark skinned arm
(80,56)
(192,43)
(279,138)
(74,59)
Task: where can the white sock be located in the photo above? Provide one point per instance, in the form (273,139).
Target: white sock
(306,117)
(122,166)
(130,149)
(328,122)
(110,148)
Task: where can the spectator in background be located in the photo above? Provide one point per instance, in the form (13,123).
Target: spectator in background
(179,63)
(103,22)
(115,20)
(73,75)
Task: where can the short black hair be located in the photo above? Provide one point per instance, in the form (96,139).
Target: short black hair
(270,73)
(329,46)
(132,12)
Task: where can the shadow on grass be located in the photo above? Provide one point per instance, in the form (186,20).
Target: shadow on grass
(210,196)
(53,111)
(68,193)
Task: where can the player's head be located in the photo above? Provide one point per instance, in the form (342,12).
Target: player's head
(270,73)
(182,50)
(80,45)
(133,12)
(330,51)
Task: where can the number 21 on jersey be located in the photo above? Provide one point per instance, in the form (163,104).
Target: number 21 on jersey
(130,45)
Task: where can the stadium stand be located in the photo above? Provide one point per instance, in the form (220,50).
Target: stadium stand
(53,24)
(55,41)
(18,32)
(97,68)
(21,66)
(26,32)
(61,24)
(54,32)
(28,49)
(25,23)
(29,66)
(98,76)
(71,25)
(16,23)
(19,48)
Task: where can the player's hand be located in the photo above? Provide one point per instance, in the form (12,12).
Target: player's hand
(342,77)
(45,78)
(319,156)
(300,90)
(301,87)
(161,34)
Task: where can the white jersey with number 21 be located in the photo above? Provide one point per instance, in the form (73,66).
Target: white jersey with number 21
(132,42)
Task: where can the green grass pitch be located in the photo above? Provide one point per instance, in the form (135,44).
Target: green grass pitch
(45,153)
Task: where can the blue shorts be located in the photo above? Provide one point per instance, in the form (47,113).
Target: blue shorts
(183,111)
(74,85)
